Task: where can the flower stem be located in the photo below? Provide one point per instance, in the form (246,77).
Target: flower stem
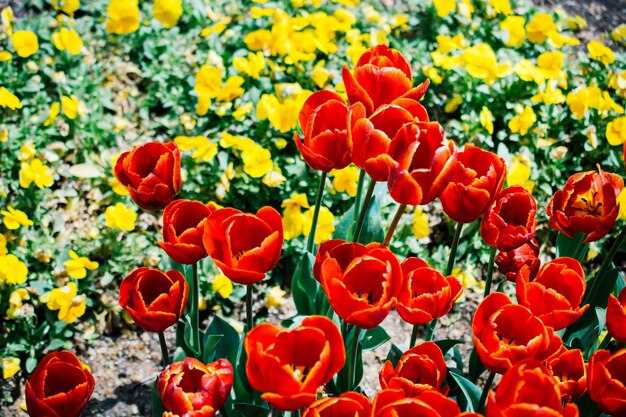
(492,258)
(359,192)
(580,246)
(164,352)
(413,336)
(483,397)
(394,224)
(597,281)
(352,363)
(316,212)
(453,248)
(195,313)
(430,330)
(249,319)
(363,212)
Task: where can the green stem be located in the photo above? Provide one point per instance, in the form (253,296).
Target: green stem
(352,363)
(595,284)
(430,330)
(492,258)
(249,319)
(316,212)
(363,213)
(413,336)
(359,192)
(195,312)
(605,341)
(164,352)
(483,397)
(394,224)
(580,246)
(453,248)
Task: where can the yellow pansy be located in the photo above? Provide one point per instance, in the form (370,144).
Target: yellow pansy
(528,72)
(218,27)
(519,173)
(71,106)
(549,95)
(242,111)
(420,226)
(208,81)
(66,6)
(235,141)
(274,178)
(539,26)
(66,299)
(257,161)
(466,8)
(222,285)
(4,135)
(550,64)
(293,219)
(453,104)
(67,39)
(345,180)
(77,266)
(55,108)
(14,218)
(6,17)
(325,227)
(319,74)
(621,199)
(3,245)
(204,149)
(10,366)
(8,99)
(12,270)
(121,217)
(16,300)
(616,131)
(576,22)
(558,40)
(447,44)
(123,16)
(444,7)
(445,61)
(252,65)
(168,11)
(619,34)
(578,101)
(5,56)
(282,114)
(231,88)
(35,172)
(486,119)
(25,43)
(501,6)
(480,62)
(27,152)
(523,121)
(432,74)
(601,53)
(467,279)
(275,297)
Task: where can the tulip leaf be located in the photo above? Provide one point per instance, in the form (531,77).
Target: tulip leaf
(344,228)
(304,287)
(373,225)
(586,406)
(374,338)
(471,392)
(224,346)
(476,367)
(188,337)
(31,364)
(447,344)
(241,388)
(210,343)
(252,410)
(157,406)
(394,355)
(566,246)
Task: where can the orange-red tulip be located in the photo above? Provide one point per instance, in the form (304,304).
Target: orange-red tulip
(616,316)
(507,333)
(570,372)
(244,246)
(428,295)
(587,204)
(60,386)
(153,298)
(349,404)
(151,172)
(431,403)
(476,180)
(193,389)
(289,366)
(323,120)
(556,292)
(607,381)
(509,263)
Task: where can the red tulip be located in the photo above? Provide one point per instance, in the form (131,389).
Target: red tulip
(476,180)
(528,390)
(362,290)
(587,204)
(323,120)
(381,76)
(428,294)
(151,172)
(183,227)
(510,220)
(153,298)
(60,386)
(506,333)
(395,403)
(422,171)
(193,389)
(244,246)
(289,366)
(607,381)
(419,369)
(509,263)
(556,292)
(570,373)
(616,316)
(349,404)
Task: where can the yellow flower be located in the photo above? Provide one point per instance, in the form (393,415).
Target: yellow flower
(252,65)
(204,149)
(123,16)
(616,131)
(539,26)
(578,102)
(71,106)
(35,172)
(10,366)
(501,6)
(222,285)
(319,74)
(66,299)
(528,72)
(444,7)
(345,180)
(67,39)
(231,89)
(523,121)
(576,22)
(293,219)
(53,113)
(77,266)
(447,44)
(275,297)
(600,53)
(559,40)
(12,270)
(453,104)
(5,56)
(325,226)
(480,62)
(6,17)
(283,115)
(25,43)
(519,173)
(237,142)
(8,99)
(121,217)
(621,199)
(619,34)
(274,178)
(66,6)
(3,245)
(14,218)
(432,74)
(257,161)
(550,63)
(16,301)
(4,135)
(486,119)
(168,11)
(444,61)
(27,152)
(242,111)
(549,95)
(467,279)
(420,226)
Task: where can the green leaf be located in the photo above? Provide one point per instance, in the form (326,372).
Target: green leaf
(253,410)
(471,392)
(31,364)
(374,338)
(157,406)
(86,170)
(476,367)
(224,348)
(208,347)
(344,228)
(373,224)
(394,355)
(447,344)
(566,246)
(188,337)
(304,287)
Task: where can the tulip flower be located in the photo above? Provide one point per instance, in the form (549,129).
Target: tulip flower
(431,403)
(587,204)
(60,386)
(151,173)
(289,366)
(153,298)
(607,381)
(569,370)
(476,180)
(193,389)
(244,246)
(616,316)
(349,404)
(510,262)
